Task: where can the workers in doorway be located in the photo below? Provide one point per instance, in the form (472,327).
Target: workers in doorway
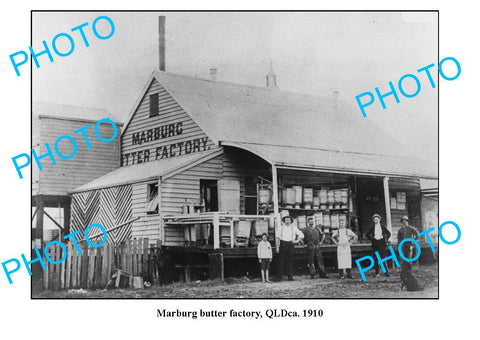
(314,237)
(287,237)
(343,237)
(379,235)
(264,251)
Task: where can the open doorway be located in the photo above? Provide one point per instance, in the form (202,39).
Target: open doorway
(209,194)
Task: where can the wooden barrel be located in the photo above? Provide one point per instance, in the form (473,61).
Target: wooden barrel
(326,221)
(344,196)
(290,196)
(330,196)
(260,227)
(242,229)
(284,195)
(323,195)
(342,217)
(308,195)
(316,201)
(263,196)
(298,194)
(337,195)
(334,221)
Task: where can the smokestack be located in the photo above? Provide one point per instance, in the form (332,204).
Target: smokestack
(161,42)
(213,73)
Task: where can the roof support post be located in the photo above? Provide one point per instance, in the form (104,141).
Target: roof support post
(386,194)
(275,190)
(276,211)
(216,230)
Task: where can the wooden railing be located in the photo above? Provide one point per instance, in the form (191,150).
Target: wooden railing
(217,219)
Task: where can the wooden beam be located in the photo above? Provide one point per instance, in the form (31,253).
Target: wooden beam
(34,213)
(39,222)
(112,229)
(216,231)
(53,220)
(386,194)
(232,234)
(275,190)
(66,218)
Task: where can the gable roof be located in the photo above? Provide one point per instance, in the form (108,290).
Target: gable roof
(247,116)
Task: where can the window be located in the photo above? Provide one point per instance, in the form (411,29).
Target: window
(152,199)
(154,105)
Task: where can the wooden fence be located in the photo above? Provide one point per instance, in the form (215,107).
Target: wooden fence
(95,266)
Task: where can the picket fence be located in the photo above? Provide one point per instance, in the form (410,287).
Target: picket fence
(95,266)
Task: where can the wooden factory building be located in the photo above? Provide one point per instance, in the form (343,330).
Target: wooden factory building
(196,153)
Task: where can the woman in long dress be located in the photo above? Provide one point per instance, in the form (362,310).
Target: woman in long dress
(343,237)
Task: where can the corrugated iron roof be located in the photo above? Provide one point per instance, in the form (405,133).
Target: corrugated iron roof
(55,110)
(298,129)
(338,161)
(147,171)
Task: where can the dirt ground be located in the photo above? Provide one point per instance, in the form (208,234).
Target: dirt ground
(302,287)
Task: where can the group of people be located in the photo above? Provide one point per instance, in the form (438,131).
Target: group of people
(288,235)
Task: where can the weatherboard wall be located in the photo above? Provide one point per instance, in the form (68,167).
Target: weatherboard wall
(85,166)
(134,147)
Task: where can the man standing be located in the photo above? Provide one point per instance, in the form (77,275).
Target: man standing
(408,250)
(379,236)
(314,237)
(288,235)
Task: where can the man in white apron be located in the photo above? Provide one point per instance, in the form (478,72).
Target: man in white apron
(343,237)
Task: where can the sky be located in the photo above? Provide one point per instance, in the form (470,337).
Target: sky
(312,53)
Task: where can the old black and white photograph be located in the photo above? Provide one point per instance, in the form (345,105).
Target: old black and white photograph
(225,155)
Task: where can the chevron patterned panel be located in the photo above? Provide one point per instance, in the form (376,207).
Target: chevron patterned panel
(123,211)
(78,208)
(108,207)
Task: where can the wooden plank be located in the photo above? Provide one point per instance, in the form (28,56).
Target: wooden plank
(91,267)
(73,280)
(62,269)
(84,266)
(54,271)
(145,258)
(216,231)
(97,279)
(104,273)
(111,261)
(139,256)
(46,273)
(123,256)
(134,257)
(68,264)
(129,256)
(158,253)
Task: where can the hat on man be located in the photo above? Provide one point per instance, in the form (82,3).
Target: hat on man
(376,215)
(404,218)
(287,217)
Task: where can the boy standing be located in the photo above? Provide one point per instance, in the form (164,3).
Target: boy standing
(264,252)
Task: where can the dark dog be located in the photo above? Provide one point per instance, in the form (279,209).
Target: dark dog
(408,280)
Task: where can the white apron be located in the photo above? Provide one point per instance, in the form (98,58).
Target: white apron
(344,255)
